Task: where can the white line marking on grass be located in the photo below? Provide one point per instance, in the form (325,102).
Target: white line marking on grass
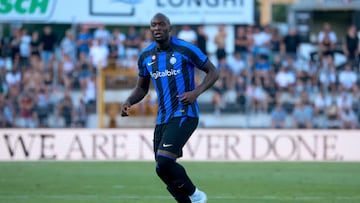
(229,197)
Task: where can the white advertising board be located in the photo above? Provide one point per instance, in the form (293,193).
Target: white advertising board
(128,12)
(204,145)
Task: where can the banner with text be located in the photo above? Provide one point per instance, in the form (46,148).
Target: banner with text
(128,12)
(204,145)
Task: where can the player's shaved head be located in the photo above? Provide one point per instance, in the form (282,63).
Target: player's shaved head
(161,16)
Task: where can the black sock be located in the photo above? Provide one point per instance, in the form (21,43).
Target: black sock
(174,176)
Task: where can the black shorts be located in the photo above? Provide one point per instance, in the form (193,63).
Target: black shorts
(172,136)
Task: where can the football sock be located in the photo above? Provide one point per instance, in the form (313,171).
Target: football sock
(174,175)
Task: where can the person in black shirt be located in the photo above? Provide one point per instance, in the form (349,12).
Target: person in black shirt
(351,44)
(291,43)
(48,42)
(202,39)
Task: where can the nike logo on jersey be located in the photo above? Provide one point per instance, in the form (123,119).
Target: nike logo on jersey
(167,145)
(150,63)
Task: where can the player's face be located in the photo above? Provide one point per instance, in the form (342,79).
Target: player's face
(160,29)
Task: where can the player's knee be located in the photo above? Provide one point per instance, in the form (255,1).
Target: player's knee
(164,162)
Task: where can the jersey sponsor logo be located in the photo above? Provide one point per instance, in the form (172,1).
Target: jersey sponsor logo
(166,73)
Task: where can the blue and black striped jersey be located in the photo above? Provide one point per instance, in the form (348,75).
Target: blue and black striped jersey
(172,72)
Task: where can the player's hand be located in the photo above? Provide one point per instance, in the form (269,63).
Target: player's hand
(188,98)
(125,109)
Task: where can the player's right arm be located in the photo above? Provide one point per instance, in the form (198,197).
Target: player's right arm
(141,89)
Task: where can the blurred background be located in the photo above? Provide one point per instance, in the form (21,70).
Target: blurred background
(282,63)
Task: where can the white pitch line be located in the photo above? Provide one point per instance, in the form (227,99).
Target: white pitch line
(229,197)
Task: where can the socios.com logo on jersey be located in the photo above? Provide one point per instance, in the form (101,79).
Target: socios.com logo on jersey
(166,73)
(27,10)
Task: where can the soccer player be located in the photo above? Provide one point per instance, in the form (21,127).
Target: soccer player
(170,63)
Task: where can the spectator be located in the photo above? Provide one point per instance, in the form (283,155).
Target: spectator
(240,88)
(27,111)
(24,48)
(327,32)
(220,42)
(7,114)
(202,38)
(275,42)
(242,42)
(351,45)
(186,33)
(35,43)
(98,55)
(262,69)
(66,72)
(66,110)
(285,79)
(321,103)
(84,39)
(85,71)
(348,118)
(348,79)
(102,34)
(80,115)
(236,64)
(68,45)
(42,107)
(278,116)
(344,100)
(118,42)
(132,42)
(261,37)
(333,114)
(290,44)
(48,42)
(146,38)
(327,73)
(302,115)
(218,94)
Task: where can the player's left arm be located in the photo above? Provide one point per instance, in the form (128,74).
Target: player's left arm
(212,75)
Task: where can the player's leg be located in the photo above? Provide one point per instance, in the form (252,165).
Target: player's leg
(174,136)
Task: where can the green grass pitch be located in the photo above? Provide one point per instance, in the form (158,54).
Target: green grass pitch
(136,182)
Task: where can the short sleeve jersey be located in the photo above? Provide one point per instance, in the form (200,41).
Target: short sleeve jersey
(172,72)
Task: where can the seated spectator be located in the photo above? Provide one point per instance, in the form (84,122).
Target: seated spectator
(285,79)
(262,69)
(327,74)
(80,114)
(327,40)
(240,88)
(66,109)
(344,100)
(42,107)
(321,103)
(348,79)
(302,115)
(67,68)
(85,70)
(258,97)
(27,111)
(217,98)
(236,64)
(278,116)
(333,114)
(348,118)
(7,114)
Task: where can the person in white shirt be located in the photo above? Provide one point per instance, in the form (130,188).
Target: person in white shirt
(348,79)
(284,78)
(187,34)
(98,54)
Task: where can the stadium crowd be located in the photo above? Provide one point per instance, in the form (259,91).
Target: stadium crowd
(39,70)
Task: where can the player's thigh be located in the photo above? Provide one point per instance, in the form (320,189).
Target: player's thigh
(177,133)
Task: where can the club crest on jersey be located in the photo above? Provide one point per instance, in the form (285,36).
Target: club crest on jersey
(172,60)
